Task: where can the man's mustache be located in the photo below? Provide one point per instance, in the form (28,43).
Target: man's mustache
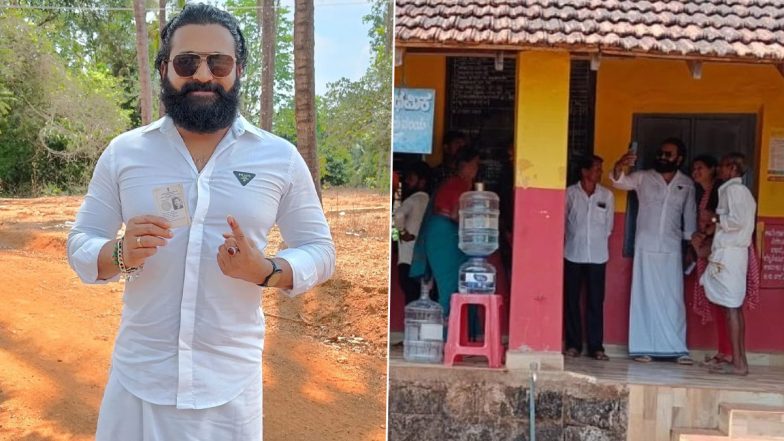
(202,87)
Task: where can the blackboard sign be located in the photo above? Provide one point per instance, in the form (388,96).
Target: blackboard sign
(480,103)
(582,99)
(772,270)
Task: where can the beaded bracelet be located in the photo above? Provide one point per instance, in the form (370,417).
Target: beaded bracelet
(128,274)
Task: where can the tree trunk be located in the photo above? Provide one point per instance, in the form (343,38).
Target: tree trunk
(389,26)
(142,58)
(304,87)
(161,25)
(266,18)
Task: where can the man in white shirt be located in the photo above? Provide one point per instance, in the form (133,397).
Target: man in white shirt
(187,358)
(725,277)
(667,216)
(590,208)
(408,219)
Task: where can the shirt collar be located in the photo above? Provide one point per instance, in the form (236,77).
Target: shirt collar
(163,124)
(732,181)
(578,187)
(238,127)
(241,125)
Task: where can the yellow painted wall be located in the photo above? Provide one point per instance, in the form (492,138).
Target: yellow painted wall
(541,119)
(625,87)
(427,71)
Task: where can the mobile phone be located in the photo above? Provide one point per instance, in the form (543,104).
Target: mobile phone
(633,147)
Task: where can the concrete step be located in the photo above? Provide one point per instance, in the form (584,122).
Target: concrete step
(752,421)
(695,434)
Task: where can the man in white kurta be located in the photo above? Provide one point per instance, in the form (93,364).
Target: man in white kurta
(724,278)
(666,217)
(187,359)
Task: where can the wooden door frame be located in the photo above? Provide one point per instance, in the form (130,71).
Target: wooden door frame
(757,131)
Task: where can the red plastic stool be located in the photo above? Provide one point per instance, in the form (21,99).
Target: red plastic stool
(457,344)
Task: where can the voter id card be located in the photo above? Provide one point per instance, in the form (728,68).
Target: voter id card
(172,205)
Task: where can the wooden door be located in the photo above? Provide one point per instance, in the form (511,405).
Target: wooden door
(713,134)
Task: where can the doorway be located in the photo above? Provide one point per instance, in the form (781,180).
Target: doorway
(711,134)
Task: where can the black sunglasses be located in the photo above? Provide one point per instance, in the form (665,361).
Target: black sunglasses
(663,154)
(188,63)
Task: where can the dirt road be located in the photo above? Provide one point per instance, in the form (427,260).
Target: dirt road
(324,359)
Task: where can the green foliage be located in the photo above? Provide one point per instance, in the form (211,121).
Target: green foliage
(93,39)
(353,124)
(284,57)
(60,118)
(6,98)
(75,86)
(357,114)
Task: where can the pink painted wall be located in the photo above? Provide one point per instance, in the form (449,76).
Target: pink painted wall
(537,270)
(764,330)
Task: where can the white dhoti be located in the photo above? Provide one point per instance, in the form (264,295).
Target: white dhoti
(724,278)
(123,416)
(657,319)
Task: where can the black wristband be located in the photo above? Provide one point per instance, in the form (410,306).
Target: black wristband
(275,270)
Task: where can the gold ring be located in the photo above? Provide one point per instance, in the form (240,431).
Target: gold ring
(139,242)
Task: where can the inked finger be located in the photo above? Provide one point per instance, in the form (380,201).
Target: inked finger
(239,235)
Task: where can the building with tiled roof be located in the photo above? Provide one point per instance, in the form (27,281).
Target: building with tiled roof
(565,79)
(711,29)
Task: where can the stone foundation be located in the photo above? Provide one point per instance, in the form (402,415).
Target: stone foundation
(435,404)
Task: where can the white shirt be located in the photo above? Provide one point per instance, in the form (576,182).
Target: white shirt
(668,212)
(737,210)
(589,222)
(191,336)
(408,216)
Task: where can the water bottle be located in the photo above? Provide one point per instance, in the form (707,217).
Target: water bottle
(478,230)
(476,277)
(424,333)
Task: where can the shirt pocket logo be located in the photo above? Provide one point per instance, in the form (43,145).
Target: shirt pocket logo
(244,177)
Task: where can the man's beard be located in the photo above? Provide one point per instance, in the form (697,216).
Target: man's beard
(198,113)
(665,166)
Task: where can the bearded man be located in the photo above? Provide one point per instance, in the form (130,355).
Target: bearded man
(666,217)
(187,359)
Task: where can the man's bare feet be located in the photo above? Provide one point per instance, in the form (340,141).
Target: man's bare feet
(729,369)
(716,359)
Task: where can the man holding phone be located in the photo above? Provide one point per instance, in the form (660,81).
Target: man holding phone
(667,216)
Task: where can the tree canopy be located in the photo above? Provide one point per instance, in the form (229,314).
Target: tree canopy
(69,84)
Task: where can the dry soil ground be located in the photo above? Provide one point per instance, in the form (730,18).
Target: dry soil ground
(325,352)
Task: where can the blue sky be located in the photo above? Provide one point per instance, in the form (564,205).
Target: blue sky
(342,42)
